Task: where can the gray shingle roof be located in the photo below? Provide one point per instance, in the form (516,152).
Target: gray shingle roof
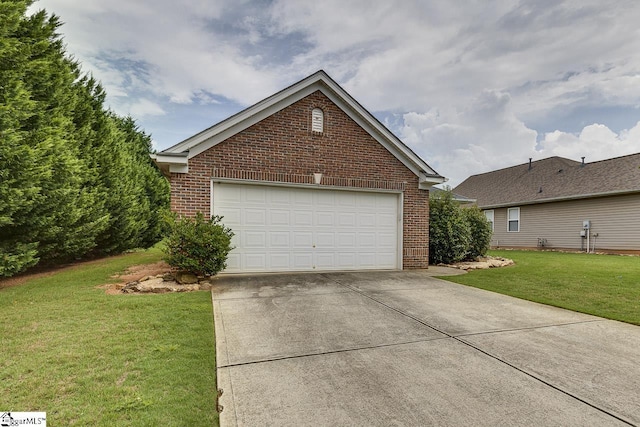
(554,178)
(433,191)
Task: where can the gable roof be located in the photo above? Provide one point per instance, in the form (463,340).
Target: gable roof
(176,158)
(553,179)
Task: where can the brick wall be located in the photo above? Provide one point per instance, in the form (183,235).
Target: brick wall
(283,145)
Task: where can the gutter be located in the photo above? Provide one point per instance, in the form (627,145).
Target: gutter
(559,199)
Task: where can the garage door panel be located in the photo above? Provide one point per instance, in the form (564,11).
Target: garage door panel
(325,219)
(280,260)
(254,239)
(384,204)
(302,239)
(232,217)
(279,239)
(325,198)
(233,261)
(366,200)
(307,229)
(346,260)
(346,219)
(236,239)
(302,218)
(346,199)
(366,240)
(255,194)
(255,261)
(386,220)
(346,240)
(386,260)
(325,240)
(256,217)
(279,217)
(280,196)
(386,241)
(367,260)
(302,197)
(325,261)
(302,261)
(366,220)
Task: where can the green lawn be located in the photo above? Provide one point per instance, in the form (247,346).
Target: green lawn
(602,285)
(87,358)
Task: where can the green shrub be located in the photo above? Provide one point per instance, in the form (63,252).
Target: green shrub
(449,230)
(480,232)
(198,245)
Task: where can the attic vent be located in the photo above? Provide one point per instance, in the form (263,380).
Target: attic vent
(317,121)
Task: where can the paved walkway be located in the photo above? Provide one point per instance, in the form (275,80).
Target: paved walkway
(404,348)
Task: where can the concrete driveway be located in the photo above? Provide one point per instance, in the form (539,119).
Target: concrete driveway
(404,348)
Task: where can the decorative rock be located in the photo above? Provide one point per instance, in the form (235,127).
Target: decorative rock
(483,263)
(205,286)
(186,278)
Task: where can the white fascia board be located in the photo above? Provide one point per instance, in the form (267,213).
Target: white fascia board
(177,163)
(170,158)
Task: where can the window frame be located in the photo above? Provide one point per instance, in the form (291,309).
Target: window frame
(493,218)
(517,220)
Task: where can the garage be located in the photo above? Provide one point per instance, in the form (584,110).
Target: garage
(287,228)
(308,180)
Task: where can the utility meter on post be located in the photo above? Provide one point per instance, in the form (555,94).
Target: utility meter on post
(586,226)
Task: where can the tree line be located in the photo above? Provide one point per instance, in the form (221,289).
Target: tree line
(76,179)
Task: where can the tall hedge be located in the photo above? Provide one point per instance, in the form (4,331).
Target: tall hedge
(449,231)
(75,179)
(480,232)
(456,233)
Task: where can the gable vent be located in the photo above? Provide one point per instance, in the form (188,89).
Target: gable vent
(317,121)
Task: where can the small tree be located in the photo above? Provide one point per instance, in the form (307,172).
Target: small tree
(198,245)
(449,230)
(480,232)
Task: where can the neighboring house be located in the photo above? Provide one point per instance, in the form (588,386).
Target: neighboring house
(435,191)
(561,203)
(308,180)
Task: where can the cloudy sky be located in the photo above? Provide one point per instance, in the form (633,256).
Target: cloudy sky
(470,86)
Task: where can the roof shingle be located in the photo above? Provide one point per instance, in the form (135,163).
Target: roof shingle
(554,178)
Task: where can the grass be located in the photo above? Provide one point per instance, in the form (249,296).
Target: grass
(87,358)
(602,285)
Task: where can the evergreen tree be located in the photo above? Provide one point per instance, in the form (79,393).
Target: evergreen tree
(75,178)
(19,175)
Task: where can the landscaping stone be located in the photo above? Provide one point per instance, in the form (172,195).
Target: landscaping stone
(159,284)
(482,263)
(186,278)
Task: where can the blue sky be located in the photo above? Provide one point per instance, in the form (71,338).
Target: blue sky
(470,86)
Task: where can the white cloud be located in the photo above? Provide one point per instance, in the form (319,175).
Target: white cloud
(595,142)
(144,107)
(464,77)
(485,136)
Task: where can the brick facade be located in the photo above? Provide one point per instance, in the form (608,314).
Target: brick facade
(282,148)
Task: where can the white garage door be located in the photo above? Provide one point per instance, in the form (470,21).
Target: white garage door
(305,229)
